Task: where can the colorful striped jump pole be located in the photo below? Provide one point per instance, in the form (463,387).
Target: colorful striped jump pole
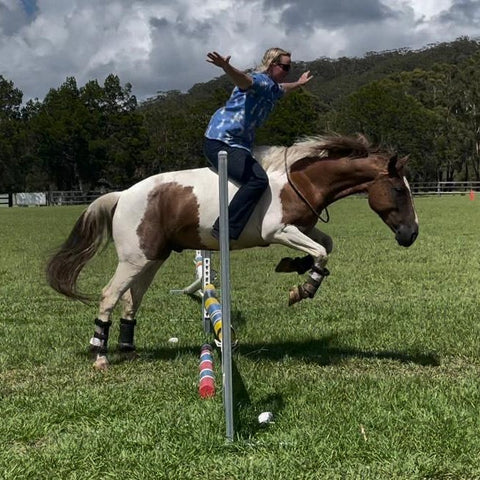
(206,384)
(225,286)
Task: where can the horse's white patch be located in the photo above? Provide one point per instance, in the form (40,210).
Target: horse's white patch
(411,197)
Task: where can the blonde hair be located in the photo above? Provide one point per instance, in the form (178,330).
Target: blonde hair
(272,55)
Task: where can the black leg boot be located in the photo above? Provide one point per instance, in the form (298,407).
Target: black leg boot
(125,339)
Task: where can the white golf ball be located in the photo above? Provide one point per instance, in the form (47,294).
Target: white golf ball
(173,340)
(265,417)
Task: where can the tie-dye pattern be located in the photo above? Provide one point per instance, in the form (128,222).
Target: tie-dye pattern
(244,112)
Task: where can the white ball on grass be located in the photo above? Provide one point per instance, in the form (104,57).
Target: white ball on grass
(265,418)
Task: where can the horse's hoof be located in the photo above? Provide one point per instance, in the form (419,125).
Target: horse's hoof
(294,296)
(300,292)
(101,363)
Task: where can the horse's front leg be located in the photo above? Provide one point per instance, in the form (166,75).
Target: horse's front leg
(301,265)
(318,245)
(309,288)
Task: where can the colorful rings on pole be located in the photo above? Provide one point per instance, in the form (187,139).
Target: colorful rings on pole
(214,309)
(206,384)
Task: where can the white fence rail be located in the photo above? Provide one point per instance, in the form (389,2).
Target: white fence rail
(72,197)
(6,199)
(40,199)
(76,197)
(444,188)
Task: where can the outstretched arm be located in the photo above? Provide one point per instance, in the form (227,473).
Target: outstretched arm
(304,78)
(240,79)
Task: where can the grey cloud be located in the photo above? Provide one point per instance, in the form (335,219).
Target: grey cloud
(188,29)
(330,13)
(163,47)
(466,12)
(11,20)
(159,23)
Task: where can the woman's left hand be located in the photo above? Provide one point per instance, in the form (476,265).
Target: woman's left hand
(304,78)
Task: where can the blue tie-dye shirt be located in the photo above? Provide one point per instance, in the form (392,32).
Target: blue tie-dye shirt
(244,112)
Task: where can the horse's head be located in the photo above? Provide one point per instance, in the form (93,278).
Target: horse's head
(389,195)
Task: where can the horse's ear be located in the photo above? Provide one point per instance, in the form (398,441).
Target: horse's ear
(396,165)
(392,165)
(402,162)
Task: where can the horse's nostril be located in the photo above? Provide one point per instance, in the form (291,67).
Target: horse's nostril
(405,237)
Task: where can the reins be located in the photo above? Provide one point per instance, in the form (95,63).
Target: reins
(300,194)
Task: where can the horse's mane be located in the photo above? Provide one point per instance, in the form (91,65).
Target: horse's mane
(273,158)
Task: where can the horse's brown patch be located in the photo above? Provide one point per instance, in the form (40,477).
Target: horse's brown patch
(170,221)
(294,210)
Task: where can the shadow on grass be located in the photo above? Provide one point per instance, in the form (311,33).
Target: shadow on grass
(321,351)
(325,351)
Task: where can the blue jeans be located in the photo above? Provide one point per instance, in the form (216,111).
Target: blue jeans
(247,173)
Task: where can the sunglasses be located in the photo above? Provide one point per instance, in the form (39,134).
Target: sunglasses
(284,66)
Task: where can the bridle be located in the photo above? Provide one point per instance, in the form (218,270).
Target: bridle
(302,196)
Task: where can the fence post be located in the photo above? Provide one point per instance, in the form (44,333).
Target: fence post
(225,285)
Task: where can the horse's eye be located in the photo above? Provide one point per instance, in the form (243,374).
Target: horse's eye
(399,189)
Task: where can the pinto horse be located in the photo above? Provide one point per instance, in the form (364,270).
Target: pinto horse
(174,211)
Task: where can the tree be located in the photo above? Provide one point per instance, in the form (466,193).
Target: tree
(10,132)
(84,134)
(447,90)
(468,110)
(295,116)
(388,115)
(119,139)
(176,128)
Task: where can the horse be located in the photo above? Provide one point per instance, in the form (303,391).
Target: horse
(174,211)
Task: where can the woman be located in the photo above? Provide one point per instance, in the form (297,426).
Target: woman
(232,128)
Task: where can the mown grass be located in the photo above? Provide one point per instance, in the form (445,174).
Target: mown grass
(376,378)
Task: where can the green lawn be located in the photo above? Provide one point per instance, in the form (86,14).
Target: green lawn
(376,378)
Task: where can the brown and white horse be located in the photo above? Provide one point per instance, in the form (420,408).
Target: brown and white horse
(175,211)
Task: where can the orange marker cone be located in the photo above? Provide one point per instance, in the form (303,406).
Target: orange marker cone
(472,195)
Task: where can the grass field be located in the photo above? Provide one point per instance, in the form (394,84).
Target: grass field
(376,378)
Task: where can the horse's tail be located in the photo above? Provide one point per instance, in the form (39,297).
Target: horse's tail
(92,229)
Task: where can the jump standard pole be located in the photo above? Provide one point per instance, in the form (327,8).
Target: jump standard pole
(216,313)
(225,294)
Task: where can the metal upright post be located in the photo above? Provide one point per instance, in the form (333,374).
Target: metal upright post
(225,294)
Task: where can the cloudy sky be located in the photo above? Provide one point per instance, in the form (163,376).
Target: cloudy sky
(160,45)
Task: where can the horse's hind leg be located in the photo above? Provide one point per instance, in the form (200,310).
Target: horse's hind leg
(124,276)
(131,301)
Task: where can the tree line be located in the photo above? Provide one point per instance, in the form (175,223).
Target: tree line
(425,104)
